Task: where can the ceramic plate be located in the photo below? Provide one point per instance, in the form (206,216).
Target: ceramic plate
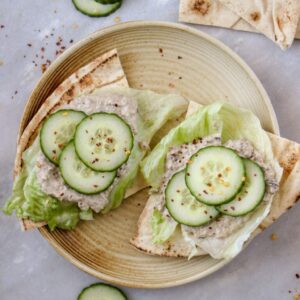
(162,57)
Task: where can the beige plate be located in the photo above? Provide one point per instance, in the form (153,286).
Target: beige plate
(190,63)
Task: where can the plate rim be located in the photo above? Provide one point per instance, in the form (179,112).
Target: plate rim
(119,27)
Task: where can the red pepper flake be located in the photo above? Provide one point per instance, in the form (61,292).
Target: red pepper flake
(44,67)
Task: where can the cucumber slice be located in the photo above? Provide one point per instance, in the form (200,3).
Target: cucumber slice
(103,141)
(107,1)
(183,206)
(94,9)
(81,178)
(215,174)
(101,291)
(57,131)
(250,195)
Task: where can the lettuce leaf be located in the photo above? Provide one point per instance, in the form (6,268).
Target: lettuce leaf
(161,228)
(155,110)
(230,123)
(29,201)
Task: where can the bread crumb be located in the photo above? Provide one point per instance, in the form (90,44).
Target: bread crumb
(296,296)
(117,19)
(274,237)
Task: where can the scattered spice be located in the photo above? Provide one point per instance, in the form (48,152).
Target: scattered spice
(71,41)
(297,275)
(171,85)
(274,237)
(29,45)
(179,57)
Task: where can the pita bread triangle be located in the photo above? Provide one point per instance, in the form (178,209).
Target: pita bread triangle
(105,70)
(288,155)
(277,19)
(215,13)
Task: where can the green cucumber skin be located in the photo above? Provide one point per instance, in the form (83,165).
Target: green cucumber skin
(107,1)
(81,295)
(78,190)
(97,15)
(197,197)
(175,218)
(131,146)
(42,130)
(191,224)
(250,210)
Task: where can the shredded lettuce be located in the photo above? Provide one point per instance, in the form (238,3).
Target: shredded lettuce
(230,123)
(29,201)
(161,228)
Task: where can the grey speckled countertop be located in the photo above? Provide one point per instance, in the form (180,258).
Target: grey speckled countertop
(29,267)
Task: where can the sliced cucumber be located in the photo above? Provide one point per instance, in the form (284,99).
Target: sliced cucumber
(215,174)
(250,195)
(81,178)
(95,9)
(101,291)
(107,1)
(103,141)
(183,206)
(57,131)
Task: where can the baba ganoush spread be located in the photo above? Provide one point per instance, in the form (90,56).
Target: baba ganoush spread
(48,174)
(176,160)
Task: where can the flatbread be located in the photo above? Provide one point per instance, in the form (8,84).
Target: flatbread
(276,19)
(287,154)
(214,13)
(105,70)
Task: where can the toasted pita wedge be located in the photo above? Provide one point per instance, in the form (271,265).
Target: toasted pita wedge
(106,70)
(214,13)
(288,155)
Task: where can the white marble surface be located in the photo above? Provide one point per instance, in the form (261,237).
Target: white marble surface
(29,267)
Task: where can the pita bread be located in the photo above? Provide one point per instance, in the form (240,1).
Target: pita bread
(288,155)
(106,70)
(214,13)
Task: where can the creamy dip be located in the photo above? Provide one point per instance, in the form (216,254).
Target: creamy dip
(48,174)
(223,226)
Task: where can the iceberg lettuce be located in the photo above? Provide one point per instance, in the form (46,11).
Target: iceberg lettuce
(230,123)
(29,201)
